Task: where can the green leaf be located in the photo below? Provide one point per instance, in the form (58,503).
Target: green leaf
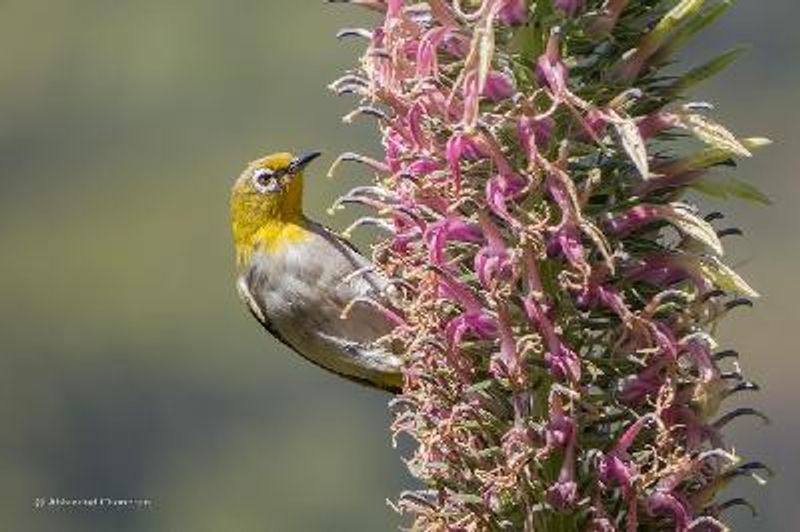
(687,222)
(724,277)
(748,192)
(676,16)
(753,143)
(709,157)
(731,188)
(636,59)
(528,40)
(713,133)
(698,23)
(706,70)
(711,188)
(632,142)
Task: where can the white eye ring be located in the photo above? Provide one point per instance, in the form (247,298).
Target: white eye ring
(266,181)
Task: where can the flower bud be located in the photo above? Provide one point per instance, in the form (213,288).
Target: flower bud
(498,86)
(514,13)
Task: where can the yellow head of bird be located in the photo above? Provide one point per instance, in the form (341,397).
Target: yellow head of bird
(267,202)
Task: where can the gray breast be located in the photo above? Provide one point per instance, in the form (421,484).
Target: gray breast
(302,293)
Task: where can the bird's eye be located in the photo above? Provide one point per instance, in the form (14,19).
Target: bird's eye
(266,180)
(262,175)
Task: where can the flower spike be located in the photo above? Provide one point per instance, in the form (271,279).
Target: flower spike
(558,291)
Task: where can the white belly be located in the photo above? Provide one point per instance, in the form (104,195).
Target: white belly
(301,294)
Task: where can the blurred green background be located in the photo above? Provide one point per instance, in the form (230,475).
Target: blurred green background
(129,368)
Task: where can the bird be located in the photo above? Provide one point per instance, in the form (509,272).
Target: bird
(305,284)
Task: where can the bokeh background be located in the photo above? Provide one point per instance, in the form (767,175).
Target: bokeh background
(129,369)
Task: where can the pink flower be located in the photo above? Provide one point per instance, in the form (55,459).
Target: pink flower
(498,87)
(514,13)
(550,69)
(534,133)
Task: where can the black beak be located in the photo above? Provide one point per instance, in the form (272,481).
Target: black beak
(301,162)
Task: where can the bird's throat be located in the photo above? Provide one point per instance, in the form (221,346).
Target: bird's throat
(270,237)
(267,223)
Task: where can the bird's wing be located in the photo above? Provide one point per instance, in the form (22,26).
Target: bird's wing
(354,277)
(389,382)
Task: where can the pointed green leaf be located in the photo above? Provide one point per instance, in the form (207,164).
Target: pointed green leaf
(529,41)
(709,157)
(724,277)
(754,143)
(673,18)
(711,188)
(748,192)
(687,222)
(632,142)
(691,28)
(713,134)
(707,70)
(649,45)
(732,187)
